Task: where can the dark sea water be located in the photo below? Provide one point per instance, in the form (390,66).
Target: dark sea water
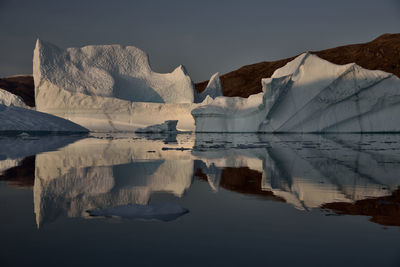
(200,200)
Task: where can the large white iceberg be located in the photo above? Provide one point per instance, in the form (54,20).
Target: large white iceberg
(310,94)
(110,88)
(114,71)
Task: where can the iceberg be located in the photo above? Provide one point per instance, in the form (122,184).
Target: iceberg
(16,116)
(310,94)
(113,71)
(111,88)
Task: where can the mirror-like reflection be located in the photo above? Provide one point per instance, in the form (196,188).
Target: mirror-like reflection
(345,174)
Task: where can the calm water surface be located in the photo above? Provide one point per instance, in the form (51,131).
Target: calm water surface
(200,200)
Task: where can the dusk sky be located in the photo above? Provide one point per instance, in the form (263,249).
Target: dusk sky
(204,36)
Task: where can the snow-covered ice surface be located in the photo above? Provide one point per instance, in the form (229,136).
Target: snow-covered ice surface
(155,211)
(310,94)
(110,88)
(307,171)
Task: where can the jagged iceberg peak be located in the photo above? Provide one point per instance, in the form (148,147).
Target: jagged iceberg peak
(310,94)
(115,71)
(213,89)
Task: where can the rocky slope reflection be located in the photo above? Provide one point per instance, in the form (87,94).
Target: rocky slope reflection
(307,171)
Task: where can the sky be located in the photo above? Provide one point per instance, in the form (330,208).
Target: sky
(204,36)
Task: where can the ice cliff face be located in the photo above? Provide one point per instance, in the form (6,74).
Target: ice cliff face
(107,71)
(310,94)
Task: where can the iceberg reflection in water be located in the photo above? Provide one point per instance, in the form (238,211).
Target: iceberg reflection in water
(345,173)
(160,211)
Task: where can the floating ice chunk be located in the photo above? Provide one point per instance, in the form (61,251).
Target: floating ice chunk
(167,126)
(23,135)
(160,212)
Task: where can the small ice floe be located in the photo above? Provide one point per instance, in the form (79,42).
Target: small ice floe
(23,135)
(167,126)
(159,212)
(26,136)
